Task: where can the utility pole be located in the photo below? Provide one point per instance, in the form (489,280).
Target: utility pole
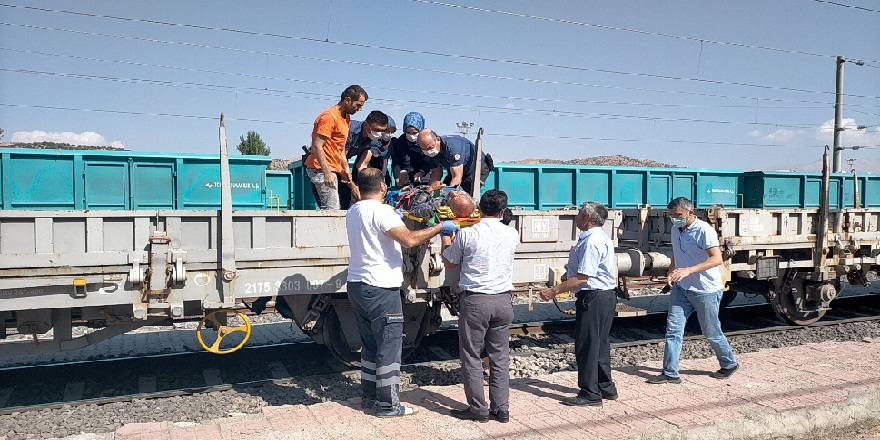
(463,127)
(838,117)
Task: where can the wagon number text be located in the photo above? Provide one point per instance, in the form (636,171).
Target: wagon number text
(286,286)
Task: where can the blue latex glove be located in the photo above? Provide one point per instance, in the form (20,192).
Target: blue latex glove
(400,213)
(449,227)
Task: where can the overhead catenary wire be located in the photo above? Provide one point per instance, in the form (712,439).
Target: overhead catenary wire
(847,6)
(817,104)
(622,29)
(285,93)
(603,139)
(429,104)
(401,50)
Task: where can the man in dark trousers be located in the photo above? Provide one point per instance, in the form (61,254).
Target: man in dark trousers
(375,275)
(485,253)
(592,273)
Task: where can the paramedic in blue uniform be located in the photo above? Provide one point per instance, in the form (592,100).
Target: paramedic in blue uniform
(592,274)
(484,252)
(696,286)
(375,276)
(455,154)
(361,135)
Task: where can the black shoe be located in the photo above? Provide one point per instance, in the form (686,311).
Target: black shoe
(664,379)
(466,414)
(609,396)
(577,400)
(724,373)
(501,416)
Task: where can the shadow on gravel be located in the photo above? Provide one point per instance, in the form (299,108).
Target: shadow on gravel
(309,391)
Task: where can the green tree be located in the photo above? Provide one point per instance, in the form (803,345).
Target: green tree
(253,145)
(1,133)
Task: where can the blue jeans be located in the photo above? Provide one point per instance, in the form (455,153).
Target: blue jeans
(681,304)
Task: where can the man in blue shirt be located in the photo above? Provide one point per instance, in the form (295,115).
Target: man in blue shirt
(360,135)
(592,273)
(455,154)
(696,286)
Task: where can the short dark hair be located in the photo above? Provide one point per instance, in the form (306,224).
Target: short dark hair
(681,202)
(492,202)
(354,92)
(377,117)
(370,181)
(507,217)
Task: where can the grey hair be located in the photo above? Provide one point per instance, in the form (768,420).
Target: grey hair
(681,202)
(595,212)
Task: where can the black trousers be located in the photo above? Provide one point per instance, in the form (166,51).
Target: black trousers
(595,313)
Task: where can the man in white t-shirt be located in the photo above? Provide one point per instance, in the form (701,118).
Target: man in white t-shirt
(375,275)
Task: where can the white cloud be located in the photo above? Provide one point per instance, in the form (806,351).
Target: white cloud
(755,133)
(781,136)
(67,137)
(850,136)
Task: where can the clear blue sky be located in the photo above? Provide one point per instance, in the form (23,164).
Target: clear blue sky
(713,84)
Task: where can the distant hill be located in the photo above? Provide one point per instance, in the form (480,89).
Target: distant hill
(280,164)
(615,160)
(57,146)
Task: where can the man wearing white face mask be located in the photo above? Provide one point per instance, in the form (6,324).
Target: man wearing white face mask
(407,162)
(455,154)
(696,287)
(376,156)
(360,136)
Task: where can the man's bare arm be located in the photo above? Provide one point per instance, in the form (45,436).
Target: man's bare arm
(408,238)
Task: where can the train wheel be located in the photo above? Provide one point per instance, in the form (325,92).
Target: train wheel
(334,339)
(786,308)
(340,347)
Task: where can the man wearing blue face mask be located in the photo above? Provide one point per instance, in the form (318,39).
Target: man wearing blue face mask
(455,154)
(360,136)
(696,286)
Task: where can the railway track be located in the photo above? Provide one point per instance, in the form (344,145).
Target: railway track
(156,377)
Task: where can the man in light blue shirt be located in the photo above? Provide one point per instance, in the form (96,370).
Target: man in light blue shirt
(696,286)
(592,274)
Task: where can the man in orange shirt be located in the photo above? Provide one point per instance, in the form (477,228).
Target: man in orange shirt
(327,166)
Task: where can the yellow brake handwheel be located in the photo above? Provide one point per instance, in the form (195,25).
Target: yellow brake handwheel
(223,331)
